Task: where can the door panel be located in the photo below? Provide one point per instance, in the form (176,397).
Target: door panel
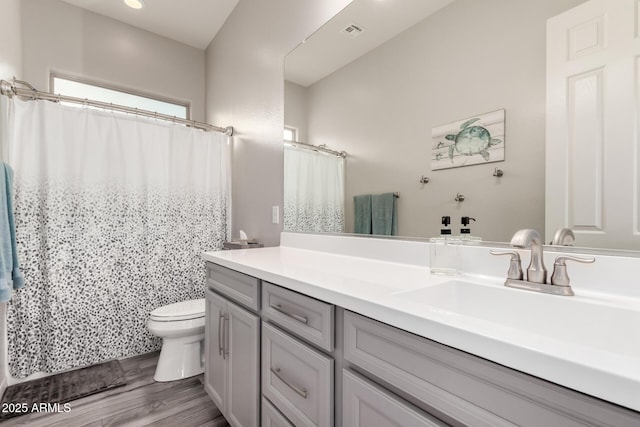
(243,392)
(215,376)
(591,142)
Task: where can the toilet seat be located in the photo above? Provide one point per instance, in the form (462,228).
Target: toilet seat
(185,310)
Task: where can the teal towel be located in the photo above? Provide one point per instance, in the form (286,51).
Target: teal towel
(10,275)
(362,207)
(384,214)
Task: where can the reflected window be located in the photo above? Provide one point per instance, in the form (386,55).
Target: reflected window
(290,133)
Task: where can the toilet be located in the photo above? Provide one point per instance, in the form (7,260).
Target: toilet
(181,327)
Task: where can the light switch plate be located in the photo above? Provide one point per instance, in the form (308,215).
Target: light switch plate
(275,214)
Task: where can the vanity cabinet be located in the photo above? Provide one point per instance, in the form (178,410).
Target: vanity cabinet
(463,389)
(281,358)
(366,404)
(232,352)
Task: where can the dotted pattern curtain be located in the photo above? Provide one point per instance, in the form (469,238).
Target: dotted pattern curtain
(112,213)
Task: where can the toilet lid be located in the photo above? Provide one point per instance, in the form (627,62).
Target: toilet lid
(184,310)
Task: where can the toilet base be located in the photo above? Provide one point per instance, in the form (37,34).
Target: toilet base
(180,358)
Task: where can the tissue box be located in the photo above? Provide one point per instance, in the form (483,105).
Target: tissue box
(242,244)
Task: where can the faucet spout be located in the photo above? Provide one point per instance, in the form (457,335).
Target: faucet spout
(530,239)
(563,237)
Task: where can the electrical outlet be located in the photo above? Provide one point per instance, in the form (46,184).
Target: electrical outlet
(275,214)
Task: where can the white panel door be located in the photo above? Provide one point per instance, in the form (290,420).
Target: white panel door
(592,107)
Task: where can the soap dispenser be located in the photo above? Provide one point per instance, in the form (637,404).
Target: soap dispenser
(443,250)
(465,231)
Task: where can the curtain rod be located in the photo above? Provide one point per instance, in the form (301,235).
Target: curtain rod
(10,89)
(322,148)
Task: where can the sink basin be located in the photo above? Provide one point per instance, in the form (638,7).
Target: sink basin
(578,320)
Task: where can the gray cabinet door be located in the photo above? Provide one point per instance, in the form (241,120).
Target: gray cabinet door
(271,417)
(366,404)
(215,372)
(297,379)
(243,364)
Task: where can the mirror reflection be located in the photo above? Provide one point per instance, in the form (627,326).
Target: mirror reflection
(376,82)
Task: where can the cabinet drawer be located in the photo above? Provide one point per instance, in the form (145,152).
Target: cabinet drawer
(455,385)
(237,286)
(306,317)
(271,417)
(297,379)
(367,404)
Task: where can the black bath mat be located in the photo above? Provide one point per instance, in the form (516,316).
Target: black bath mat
(59,389)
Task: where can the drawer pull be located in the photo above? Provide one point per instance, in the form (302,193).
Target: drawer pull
(301,319)
(301,391)
(220,327)
(225,339)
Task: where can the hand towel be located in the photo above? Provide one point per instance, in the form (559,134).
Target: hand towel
(362,206)
(10,275)
(384,214)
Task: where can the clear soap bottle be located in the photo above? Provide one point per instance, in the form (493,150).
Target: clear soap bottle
(465,232)
(443,251)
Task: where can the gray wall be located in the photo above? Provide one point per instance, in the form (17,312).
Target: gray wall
(295,112)
(66,39)
(10,66)
(470,58)
(10,35)
(245,88)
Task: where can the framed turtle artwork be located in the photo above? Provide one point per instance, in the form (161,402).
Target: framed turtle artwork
(471,141)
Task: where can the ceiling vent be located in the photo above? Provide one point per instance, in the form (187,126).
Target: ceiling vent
(353,30)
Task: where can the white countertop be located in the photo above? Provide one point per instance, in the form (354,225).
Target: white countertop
(374,289)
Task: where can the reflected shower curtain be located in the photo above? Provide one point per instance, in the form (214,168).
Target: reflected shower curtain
(112,213)
(313,191)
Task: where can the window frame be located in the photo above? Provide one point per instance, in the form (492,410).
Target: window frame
(86,81)
(293,130)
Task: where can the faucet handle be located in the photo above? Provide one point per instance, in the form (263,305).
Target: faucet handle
(515,268)
(560,276)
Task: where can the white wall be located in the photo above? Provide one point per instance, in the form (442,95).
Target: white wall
(245,88)
(10,66)
(295,112)
(11,45)
(63,38)
(470,58)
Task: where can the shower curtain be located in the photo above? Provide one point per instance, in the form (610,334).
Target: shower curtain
(313,191)
(112,212)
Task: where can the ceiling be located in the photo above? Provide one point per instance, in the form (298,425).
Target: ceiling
(192,22)
(330,48)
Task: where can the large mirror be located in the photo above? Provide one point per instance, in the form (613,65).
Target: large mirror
(383,77)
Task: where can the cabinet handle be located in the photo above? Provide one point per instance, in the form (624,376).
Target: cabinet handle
(301,391)
(301,319)
(225,340)
(220,327)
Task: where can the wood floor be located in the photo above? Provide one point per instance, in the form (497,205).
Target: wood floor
(142,402)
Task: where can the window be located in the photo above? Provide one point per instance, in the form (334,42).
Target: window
(80,89)
(290,133)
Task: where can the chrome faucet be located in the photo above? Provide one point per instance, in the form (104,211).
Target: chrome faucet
(536,272)
(529,238)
